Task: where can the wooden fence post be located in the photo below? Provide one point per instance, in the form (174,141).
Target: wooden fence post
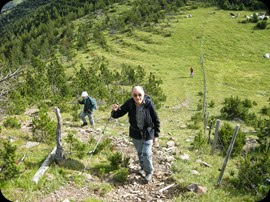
(215,137)
(229,151)
(205,123)
(210,129)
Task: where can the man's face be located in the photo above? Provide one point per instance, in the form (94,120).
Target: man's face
(138,95)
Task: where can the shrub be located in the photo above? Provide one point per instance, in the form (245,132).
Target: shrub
(9,169)
(152,87)
(195,120)
(225,135)
(121,175)
(235,108)
(265,111)
(262,24)
(125,162)
(254,18)
(11,122)
(115,160)
(254,171)
(75,113)
(199,105)
(199,141)
(211,104)
(200,93)
(80,148)
(70,139)
(17,103)
(43,127)
(75,146)
(255,166)
(104,144)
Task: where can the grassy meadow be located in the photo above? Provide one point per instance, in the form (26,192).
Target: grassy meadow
(234,65)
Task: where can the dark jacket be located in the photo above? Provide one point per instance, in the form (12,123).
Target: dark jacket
(89,104)
(151,120)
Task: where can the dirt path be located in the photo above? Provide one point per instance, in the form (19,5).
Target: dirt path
(135,188)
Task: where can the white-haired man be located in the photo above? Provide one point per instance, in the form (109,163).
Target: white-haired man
(144,127)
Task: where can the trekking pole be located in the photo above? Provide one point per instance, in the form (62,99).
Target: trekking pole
(92,152)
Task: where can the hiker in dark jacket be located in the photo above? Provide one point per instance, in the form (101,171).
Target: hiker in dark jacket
(144,127)
(88,109)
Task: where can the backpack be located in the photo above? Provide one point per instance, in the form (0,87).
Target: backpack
(93,103)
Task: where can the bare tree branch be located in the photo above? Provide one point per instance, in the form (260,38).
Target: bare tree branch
(11,75)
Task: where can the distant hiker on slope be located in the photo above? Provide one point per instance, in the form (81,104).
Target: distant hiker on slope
(191,72)
(144,127)
(88,109)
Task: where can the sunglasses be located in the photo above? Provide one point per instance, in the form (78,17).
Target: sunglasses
(137,95)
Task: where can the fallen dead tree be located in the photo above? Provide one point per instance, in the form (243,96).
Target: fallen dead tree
(57,152)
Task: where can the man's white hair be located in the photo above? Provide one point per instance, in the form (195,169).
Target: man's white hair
(138,88)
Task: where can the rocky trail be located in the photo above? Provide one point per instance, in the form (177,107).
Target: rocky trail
(135,188)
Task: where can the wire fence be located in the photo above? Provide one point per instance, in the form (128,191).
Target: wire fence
(204,76)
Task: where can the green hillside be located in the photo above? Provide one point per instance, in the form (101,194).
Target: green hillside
(104,47)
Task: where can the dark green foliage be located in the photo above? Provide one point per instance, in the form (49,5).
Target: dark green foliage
(75,146)
(211,104)
(17,103)
(240,4)
(199,141)
(8,166)
(125,162)
(80,148)
(128,75)
(262,24)
(115,160)
(264,134)
(70,140)
(152,88)
(254,170)
(255,166)
(99,38)
(107,143)
(132,75)
(57,78)
(200,93)
(74,112)
(235,108)
(121,175)
(254,18)
(36,86)
(195,120)
(225,135)
(44,128)
(34,40)
(11,122)
(226,5)
(200,105)
(265,110)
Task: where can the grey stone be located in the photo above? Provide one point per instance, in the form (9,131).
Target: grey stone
(195,172)
(31,144)
(184,157)
(196,188)
(170,143)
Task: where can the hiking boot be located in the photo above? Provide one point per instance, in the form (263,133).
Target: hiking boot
(141,172)
(84,124)
(149,177)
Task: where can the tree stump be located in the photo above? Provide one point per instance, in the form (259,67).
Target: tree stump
(59,154)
